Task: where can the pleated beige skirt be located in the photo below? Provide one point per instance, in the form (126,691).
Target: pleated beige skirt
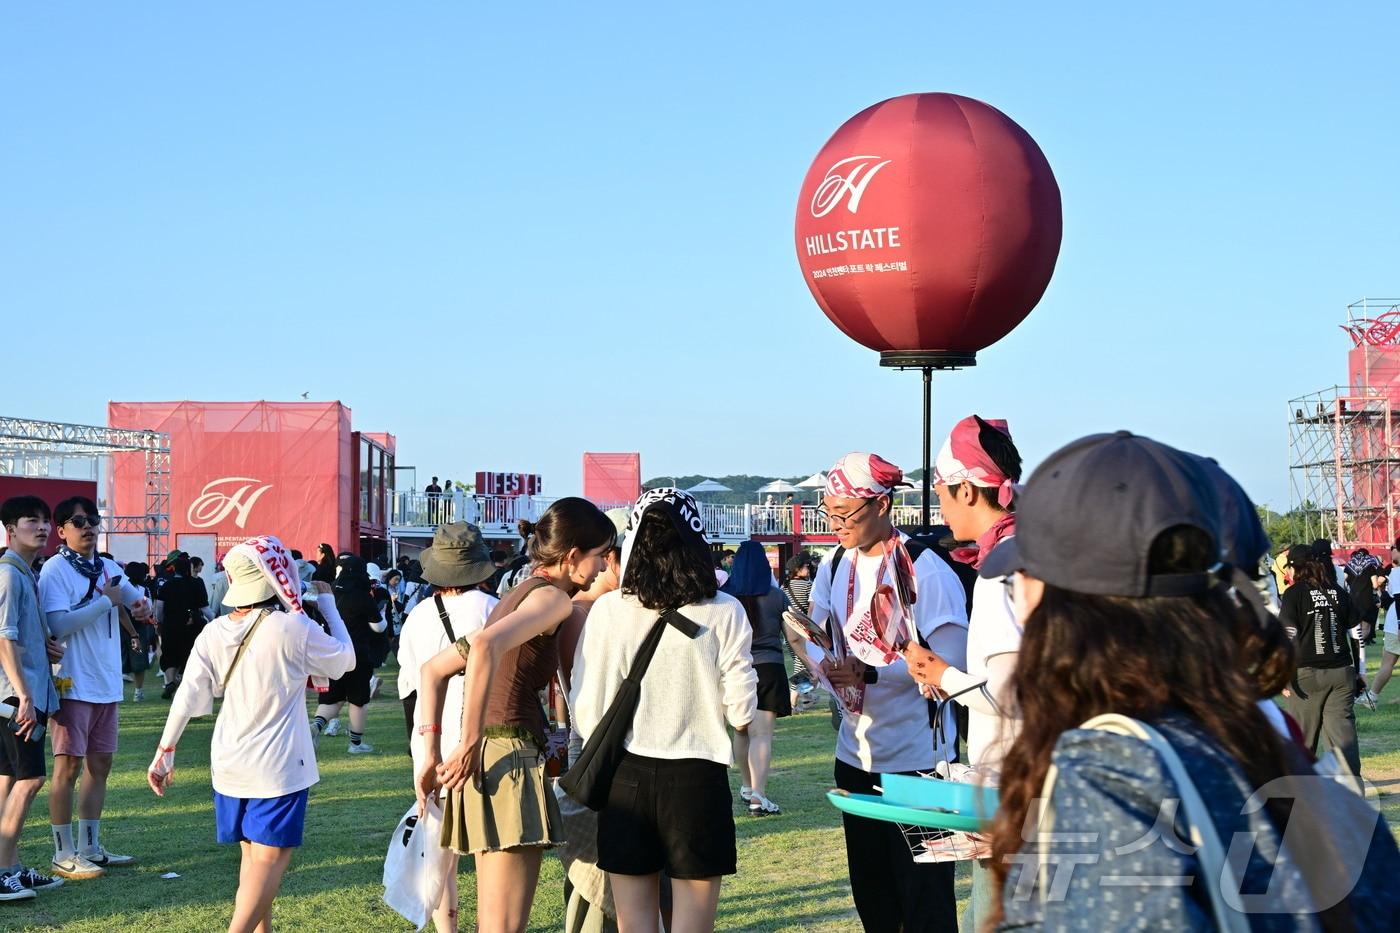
(514,808)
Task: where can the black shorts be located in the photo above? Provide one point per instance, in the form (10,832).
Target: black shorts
(773,689)
(672,816)
(20,759)
(353,688)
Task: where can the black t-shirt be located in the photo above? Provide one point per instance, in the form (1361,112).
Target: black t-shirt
(359,611)
(1319,620)
(182,599)
(1363,594)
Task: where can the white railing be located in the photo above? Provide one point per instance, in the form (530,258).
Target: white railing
(723,522)
(425,510)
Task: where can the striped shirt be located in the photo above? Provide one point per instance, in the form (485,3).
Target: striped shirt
(799,591)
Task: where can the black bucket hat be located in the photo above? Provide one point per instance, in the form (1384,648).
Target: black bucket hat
(458,556)
(1089,514)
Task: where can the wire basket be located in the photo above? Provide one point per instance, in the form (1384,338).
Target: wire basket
(927,844)
(943,845)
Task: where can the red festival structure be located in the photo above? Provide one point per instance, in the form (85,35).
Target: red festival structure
(612,479)
(294,469)
(1344,442)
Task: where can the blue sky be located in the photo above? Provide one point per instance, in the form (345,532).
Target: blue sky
(513,236)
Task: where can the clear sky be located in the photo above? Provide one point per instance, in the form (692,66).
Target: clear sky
(513,234)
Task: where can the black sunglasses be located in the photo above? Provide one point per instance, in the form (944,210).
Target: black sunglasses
(83,521)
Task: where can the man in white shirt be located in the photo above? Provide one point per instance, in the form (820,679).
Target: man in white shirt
(80,594)
(974,478)
(892,732)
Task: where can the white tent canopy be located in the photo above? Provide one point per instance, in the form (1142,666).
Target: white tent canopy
(815,481)
(709,485)
(778,486)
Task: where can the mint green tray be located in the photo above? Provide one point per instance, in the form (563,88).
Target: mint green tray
(876,808)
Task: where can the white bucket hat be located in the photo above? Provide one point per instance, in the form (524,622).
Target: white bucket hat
(247,585)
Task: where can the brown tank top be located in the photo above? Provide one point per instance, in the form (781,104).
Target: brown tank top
(523,672)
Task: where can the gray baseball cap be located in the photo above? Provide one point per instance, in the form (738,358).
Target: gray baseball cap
(1089,514)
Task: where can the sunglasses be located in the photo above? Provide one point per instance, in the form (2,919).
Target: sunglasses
(84,521)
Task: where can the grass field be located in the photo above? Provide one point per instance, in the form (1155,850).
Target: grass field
(792,873)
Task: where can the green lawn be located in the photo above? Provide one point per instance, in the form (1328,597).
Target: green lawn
(791,868)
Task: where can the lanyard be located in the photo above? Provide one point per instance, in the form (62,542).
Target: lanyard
(879,575)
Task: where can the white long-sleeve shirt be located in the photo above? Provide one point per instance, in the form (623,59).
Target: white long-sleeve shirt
(262,741)
(693,688)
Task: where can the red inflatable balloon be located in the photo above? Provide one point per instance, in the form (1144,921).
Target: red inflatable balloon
(928,222)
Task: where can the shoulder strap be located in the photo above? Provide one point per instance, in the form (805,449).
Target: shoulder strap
(1216,869)
(512,600)
(442,617)
(9,558)
(242,647)
(643,659)
(836,556)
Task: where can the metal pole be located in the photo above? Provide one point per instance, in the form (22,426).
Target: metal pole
(928,442)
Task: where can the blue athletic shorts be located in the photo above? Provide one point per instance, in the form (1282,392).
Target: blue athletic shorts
(268,821)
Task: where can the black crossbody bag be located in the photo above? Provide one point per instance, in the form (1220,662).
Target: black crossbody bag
(589,780)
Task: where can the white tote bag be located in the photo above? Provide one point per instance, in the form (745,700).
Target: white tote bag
(415,870)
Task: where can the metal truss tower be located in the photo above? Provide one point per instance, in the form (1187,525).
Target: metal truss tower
(40,448)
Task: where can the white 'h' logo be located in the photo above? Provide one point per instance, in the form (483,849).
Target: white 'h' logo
(852,182)
(214,504)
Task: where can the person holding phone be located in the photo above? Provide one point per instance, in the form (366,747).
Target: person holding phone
(80,594)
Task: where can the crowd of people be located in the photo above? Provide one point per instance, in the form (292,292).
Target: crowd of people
(1104,644)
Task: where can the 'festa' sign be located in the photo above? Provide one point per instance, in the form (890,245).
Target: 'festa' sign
(509,484)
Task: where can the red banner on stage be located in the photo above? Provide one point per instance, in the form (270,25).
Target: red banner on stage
(246,468)
(612,479)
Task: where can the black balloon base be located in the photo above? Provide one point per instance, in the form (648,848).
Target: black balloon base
(928,359)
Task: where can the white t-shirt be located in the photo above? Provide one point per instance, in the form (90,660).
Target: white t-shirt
(991,630)
(262,740)
(1392,627)
(892,732)
(93,655)
(422,637)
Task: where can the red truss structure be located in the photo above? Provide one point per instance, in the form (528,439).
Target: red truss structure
(1344,442)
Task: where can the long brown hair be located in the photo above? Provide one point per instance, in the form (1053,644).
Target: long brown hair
(1209,657)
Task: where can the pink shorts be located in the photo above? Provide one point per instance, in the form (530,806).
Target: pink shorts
(80,728)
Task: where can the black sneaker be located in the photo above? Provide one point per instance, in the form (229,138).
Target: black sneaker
(12,890)
(35,881)
(169,691)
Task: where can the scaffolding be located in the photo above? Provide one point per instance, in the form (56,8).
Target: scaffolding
(45,449)
(1344,452)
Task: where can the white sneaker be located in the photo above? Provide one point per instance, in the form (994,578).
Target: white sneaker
(374,684)
(316,734)
(74,866)
(745,793)
(138,695)
(12,889)
(364,748)
(104,859)
(1368,699)
(333,727)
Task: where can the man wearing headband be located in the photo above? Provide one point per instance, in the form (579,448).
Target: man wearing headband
(892,732)
(974,479)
